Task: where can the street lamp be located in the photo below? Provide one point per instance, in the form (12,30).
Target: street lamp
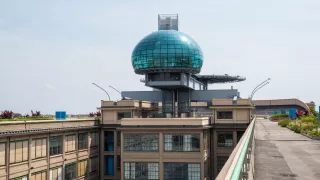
(102,90)
(253,91)
(258,87)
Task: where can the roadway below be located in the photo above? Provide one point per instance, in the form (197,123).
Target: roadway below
(282,154)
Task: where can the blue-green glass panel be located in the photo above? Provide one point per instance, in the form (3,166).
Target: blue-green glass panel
(162,49)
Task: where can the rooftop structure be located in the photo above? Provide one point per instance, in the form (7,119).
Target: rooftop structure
(168,22)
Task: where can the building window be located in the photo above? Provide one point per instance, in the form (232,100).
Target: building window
(124,115)
(239,135)
(39,148)
(56,173)
(225,139)
(2,154)
(141,142)
(182,142)
(141,171)
(42,175)
(20,178)
(70,171)
(70,144)
(109,165)
(83,141)
(19,151)
(118,162)
(224,115)
(55,145)
(94,139)
(118,138)
(109,141)
(181,171)
(94,164)
(221,160)
(82,168)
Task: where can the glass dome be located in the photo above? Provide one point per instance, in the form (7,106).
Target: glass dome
(167,50)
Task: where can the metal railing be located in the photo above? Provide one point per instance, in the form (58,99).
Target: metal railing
(240,164)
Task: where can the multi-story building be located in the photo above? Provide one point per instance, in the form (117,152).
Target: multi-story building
(55,150)
(181,130)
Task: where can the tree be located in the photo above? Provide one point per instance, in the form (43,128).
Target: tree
(6,114)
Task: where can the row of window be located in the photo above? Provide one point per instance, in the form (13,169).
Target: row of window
(172,171)
(69,171)
(172,142)
(19,150)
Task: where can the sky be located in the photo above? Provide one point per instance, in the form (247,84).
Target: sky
(52,51)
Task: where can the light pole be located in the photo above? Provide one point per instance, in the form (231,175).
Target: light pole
(258,87)
(115,89)
(102,90)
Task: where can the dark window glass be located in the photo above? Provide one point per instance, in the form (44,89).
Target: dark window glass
(118,162)
(118,138)
(70,171)
(55,145)
(83,141)
(141,142)
(109,165)
(109,141)
(182,142)
(181,171)
(221,160)
(239,135)
(225,140)
(124,115)
(141,171)
(224,115)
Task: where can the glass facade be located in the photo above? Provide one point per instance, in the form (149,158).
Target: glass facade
(141,142)
(141,171)
(182,142)
(181,171)
(167,49)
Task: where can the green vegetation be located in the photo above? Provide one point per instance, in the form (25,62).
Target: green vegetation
(314,112)
(307,125)
(27,119)
(280,115)
(284,122)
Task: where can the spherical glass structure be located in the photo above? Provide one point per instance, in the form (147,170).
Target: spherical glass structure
(167,51)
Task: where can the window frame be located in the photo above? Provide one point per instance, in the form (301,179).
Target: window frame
(70,172)
(119,118)
(179,145)
(86,170)
(5,153)
(181,164)
(223,117)
(35,149)
(67,143)
(219,145)
(83,143)
(132,173)
(15,151)
(133,142)
(96,139)
(95,163)
(51,153)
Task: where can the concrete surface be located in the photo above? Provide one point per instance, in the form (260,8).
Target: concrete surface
(282,154)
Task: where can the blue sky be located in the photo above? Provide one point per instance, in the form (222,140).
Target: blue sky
(51,51)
